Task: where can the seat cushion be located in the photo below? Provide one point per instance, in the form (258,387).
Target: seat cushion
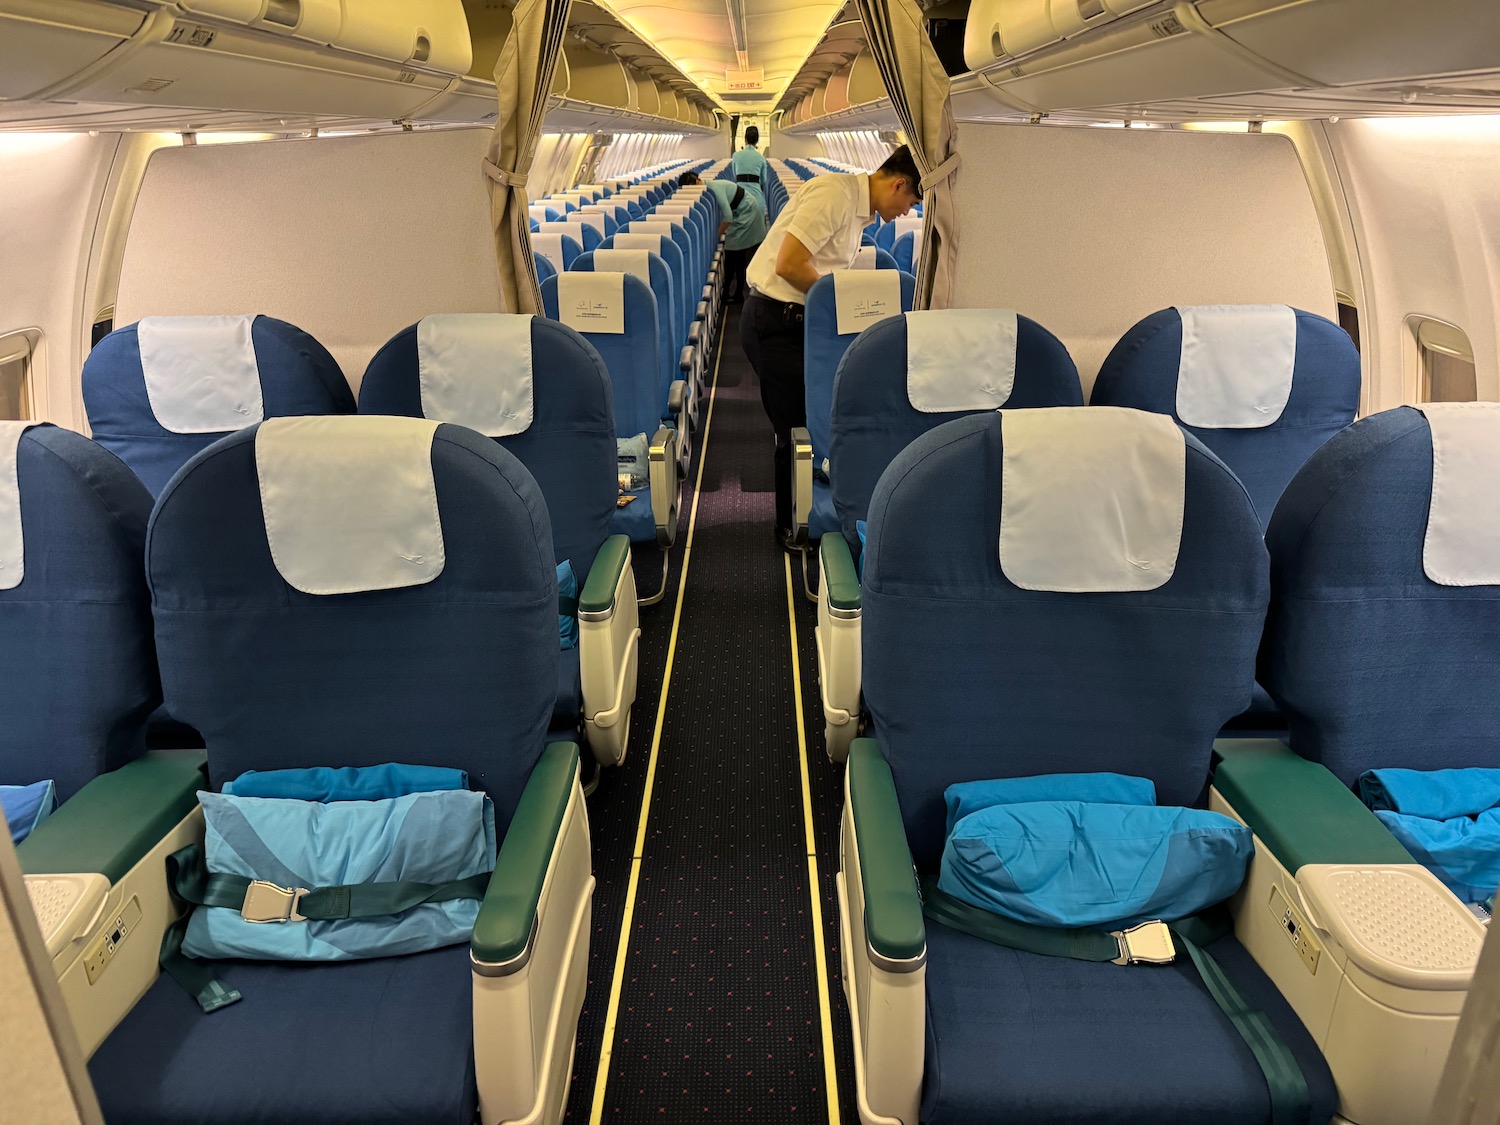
(1032,1040)
(356,1043)
(635,521)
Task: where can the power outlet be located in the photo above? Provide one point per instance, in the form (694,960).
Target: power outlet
(1298,931)
(101,950)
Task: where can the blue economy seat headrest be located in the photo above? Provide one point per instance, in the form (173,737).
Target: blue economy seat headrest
(153,412)
(1373,661)
(457,670)
(442,367)
(1144,368)
(872,417)
(77,662)
(969,676)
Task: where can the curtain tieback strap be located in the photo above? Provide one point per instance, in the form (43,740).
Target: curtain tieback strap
(501,176)
(941,172)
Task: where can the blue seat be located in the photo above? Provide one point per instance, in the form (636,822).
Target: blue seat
(585,236)
(544,267)
(904,251)
(77,662)
(155,421)
(870,256)
(973,661)
(1142,371)
(422,630)
(450,368)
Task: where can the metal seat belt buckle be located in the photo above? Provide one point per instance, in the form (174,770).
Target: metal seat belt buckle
(1149,943)
(266,902)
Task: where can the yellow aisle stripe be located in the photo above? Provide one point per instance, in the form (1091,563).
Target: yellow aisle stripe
(612,1014)
(815,889)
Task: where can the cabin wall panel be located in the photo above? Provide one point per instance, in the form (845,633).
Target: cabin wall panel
(1426,214)
(349,238)
(1088,230)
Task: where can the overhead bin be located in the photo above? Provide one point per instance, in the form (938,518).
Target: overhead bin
(1000,29)
(597,78)
(44,43)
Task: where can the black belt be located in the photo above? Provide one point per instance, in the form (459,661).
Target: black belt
(788,309)
(747,178)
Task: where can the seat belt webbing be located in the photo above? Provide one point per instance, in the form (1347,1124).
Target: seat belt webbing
(1290,1102)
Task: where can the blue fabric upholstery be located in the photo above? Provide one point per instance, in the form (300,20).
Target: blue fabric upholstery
(663,288)
(1032,1040)
(297,376)
(568,709)
(569,447)
(460,672)
(1141,372)
(390,1042)
(870,418)
(969,677)
(903,250)
(77,663)
(1373,663)
(544,268)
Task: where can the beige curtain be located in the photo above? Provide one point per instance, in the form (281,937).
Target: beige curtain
(523,77)
(918,89)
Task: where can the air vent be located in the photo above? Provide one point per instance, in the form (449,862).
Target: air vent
(1090,9)
(283,13)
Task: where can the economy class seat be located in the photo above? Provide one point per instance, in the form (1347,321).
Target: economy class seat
(1001,642)
(542,393)
(160,390)
(389,587)
(889,232)
(1382,649)
(899,379)
(561,248)
(907,249)
(871,257)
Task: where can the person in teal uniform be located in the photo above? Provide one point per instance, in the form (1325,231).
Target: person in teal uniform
(749,167)
(742,222)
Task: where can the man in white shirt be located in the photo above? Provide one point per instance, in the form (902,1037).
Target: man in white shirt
(816,232)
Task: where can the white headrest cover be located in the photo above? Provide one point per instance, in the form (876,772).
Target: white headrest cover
(1462,545)
(916,247)
(201,374)
(549,245)
(475,369)
(907,223)
(632,241)
(538,211)
(561,226)
(865,297)
(864,258)
(1091,500)
(12,546)
(1235,372)
(587,219)
(662,226)
(634,262)
(960,359)
(349,502)
(592,301)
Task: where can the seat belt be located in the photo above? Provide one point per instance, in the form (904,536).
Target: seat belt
(261,901)
(1147,943)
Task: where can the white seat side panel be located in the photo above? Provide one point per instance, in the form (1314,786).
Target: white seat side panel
(350,503)
(592,301)
(865,297)
(1091,500)
(1462,545)
(960,359)
(201,374)
(12,546)
(475,369)
(1235,371)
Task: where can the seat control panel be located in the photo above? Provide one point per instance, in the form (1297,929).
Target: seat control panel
(116,930)
(1298,930)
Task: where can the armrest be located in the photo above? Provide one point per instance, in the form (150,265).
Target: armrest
(695,333)
(839,575)
(598,596)
(110,824)
(802,482)
(1300,811)
(507,917)
(662,471)
(893,908)
(685,365)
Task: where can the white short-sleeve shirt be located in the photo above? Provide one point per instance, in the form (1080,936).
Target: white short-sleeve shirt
(827,215)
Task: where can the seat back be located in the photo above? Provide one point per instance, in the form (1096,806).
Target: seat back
(631,355)
(1054,591)
(586,236)
(1382,645)
(535,386)
(77,665)
(1263,386)
(906,249)
(911,373)
(160,390)
(871,257)
(870,296)
(644,265)
(561,249)
(353,591)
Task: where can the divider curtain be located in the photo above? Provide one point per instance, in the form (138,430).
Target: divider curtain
(523,78)
(918,89)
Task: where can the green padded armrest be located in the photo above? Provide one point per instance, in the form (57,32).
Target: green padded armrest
(502,931)
(1300,811)
(839,574)
(893,909)
(599,590)
(112,822)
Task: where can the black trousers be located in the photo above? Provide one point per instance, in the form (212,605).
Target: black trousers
(737,262)
(771,334)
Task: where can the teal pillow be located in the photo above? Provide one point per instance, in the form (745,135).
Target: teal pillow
(351,783)
(967,797)
(26,806)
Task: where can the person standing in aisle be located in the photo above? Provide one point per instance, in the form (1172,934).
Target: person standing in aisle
(816,232)
(749,167)
(741,222)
